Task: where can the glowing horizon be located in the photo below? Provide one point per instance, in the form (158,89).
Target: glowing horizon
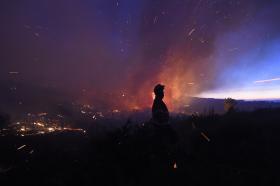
(243,94)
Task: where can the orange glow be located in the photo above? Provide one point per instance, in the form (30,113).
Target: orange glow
(179,81)
(179,84)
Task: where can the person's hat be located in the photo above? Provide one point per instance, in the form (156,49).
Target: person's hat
(158,88)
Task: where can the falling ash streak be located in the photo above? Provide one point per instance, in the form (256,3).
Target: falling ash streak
(191,32)
(14,72)
(175,166)
(21,147)
(205,137)
(267,80)
(155,19)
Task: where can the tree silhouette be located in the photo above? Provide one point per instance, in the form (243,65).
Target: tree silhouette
(230,105)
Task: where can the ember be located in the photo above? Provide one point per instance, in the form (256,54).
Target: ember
(21,147)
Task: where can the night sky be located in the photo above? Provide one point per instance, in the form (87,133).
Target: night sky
(108,50)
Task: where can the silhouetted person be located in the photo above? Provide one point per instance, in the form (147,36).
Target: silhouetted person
(159,109)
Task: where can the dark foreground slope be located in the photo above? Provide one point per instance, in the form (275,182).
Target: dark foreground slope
(234,149)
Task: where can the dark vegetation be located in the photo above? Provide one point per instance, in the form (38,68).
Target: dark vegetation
(238,148)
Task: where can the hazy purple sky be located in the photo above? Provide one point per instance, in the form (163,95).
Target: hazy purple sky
(93,48)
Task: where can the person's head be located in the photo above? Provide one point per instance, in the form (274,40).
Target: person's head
(158,90)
